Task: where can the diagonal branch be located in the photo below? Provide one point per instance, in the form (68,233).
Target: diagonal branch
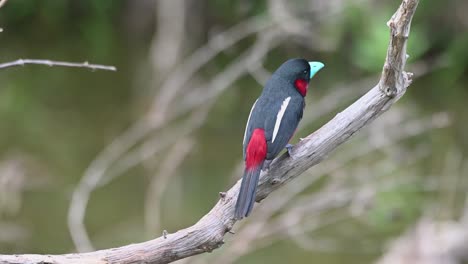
(208,233)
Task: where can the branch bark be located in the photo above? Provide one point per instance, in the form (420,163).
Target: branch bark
(50,63)
(208,233)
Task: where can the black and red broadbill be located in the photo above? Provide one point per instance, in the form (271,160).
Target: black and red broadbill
(271,124)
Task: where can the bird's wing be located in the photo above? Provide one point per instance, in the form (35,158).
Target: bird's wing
(249,127)
(282,124)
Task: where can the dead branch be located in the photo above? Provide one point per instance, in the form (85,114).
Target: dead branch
(50,63)
(208,233)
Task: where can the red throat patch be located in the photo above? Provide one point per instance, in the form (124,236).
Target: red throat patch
(256,149)
(301,86)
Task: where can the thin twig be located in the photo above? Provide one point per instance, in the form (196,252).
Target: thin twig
(50,63)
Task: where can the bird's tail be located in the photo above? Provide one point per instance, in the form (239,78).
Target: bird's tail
(247,193)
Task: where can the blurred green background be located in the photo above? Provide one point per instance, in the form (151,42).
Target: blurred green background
(55,121)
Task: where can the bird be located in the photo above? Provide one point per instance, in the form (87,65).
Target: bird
(271,124)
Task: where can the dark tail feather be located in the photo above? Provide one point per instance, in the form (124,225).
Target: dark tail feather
(247,193)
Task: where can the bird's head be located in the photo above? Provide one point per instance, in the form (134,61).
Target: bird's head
(299,72)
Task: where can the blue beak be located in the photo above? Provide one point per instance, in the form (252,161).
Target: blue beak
(315,66)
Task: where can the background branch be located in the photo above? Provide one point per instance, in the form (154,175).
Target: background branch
(50,63)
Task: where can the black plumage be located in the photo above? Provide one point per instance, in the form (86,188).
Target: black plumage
(280,94)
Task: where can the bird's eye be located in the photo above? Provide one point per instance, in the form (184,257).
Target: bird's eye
(305,71)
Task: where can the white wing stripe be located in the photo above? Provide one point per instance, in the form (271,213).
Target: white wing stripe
(248,120)
(279,117)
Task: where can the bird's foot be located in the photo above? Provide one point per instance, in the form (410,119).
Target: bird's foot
(266,165)
(289,149)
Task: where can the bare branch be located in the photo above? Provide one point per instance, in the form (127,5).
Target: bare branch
(400,23)
(208,233)
(2,3)
(50,63)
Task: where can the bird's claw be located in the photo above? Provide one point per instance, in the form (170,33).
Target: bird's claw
(289,149)
(266,165)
